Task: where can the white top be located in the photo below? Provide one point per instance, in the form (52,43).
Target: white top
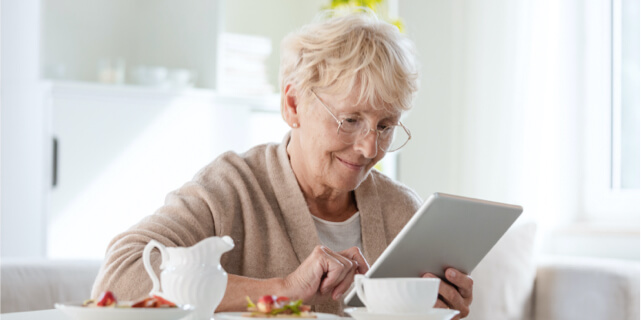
(339,236)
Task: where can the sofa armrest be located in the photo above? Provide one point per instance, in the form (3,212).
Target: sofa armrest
(29,285)
(586,288)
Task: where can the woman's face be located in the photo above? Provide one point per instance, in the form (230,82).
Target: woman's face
(324,163)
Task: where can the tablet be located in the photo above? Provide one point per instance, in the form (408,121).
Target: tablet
(447,231)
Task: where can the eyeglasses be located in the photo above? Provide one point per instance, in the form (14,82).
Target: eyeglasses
(389,137)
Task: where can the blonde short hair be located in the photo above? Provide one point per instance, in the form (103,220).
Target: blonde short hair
(348,52)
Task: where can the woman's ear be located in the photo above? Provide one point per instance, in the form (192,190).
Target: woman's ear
(290,108)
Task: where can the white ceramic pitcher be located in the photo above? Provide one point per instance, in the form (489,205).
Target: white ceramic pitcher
(191,275)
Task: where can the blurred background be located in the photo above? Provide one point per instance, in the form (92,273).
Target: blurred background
(108,105)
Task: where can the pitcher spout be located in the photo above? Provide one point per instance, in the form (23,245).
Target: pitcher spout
(224,244)
(214,247)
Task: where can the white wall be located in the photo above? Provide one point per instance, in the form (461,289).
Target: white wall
(480,129)
(427,163)
(24,166)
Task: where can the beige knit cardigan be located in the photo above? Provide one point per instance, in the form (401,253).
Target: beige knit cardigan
(254,198)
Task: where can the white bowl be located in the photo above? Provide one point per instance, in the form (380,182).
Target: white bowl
(76,311)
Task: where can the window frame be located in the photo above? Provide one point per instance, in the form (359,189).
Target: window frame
(603,203)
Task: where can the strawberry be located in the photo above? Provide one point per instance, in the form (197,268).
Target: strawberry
(305,308)
(281,301)
(106,299)
(164,302)
(145,303)
(265,304)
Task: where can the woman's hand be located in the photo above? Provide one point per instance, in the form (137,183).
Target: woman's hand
(455,292)
(325,274)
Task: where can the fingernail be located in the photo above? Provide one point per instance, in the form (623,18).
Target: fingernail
(451,273)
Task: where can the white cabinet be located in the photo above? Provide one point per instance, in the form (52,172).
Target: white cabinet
(122,149)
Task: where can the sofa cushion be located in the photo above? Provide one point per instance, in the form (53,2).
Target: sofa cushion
(582,288)
(504,279)
(37,284)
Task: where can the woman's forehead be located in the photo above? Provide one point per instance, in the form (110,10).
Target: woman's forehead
(352,105)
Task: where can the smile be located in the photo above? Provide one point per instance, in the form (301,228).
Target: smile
(353,166)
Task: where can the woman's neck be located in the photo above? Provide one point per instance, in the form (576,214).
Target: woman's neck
(337,208)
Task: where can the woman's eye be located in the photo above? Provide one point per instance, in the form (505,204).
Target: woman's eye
(351,124)
(385,125)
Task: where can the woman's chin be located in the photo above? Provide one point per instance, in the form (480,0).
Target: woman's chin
(349,183)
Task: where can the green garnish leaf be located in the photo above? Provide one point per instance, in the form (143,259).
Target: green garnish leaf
(292,306)
(277,311)
(250,303)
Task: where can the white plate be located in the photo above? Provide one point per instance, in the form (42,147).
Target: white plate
(239,316)
(435,314)
(76,311)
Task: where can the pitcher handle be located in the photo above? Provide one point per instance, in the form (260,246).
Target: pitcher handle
(358,284)
(155,290)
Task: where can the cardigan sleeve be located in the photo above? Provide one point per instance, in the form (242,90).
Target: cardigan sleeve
(184,220)
(227,197)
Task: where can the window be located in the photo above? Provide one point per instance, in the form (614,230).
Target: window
(625,95)
(611,185)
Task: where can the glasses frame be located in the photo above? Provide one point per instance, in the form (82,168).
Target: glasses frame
(378,132)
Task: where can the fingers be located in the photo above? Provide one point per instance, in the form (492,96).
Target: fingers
(455,292)
(440,304)
(463,282)
(354,254)
(325,274)
(337,269)
(451,296)
(357,265)
(344,285)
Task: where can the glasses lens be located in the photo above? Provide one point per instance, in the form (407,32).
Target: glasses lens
(393,139)
(351,129)
(346,136)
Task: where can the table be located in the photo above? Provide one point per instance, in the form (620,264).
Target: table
(51,314)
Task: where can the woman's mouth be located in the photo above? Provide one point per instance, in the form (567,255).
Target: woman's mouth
(351,165)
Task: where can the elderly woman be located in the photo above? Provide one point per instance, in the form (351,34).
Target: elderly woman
(308,213)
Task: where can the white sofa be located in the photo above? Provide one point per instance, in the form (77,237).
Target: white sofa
(29,284)
(510,284)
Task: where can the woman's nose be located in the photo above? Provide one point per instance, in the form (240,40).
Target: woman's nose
(367,144)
